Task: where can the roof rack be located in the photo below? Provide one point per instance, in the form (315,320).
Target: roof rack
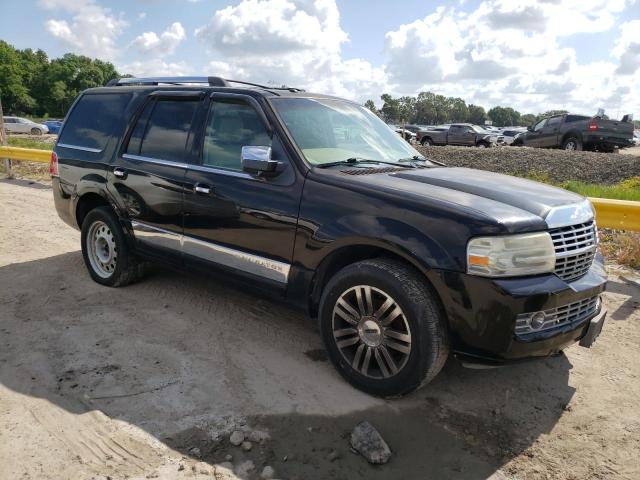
(211,81)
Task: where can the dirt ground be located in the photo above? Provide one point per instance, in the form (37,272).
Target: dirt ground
(147,382)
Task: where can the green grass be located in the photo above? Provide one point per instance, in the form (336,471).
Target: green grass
(29,143)
(616,192)
(627,190)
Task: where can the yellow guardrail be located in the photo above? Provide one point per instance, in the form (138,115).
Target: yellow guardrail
(25,154)
(618,214)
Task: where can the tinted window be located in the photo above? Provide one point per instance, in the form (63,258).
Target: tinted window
(94,119)
(554,121)
(231,126)
(166,131)
(9,120)
(539,125)
(574,118)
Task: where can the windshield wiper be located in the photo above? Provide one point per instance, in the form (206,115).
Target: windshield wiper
(416,158)
(354,160)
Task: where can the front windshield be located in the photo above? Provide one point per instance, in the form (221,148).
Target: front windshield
(328,130)
(479,129)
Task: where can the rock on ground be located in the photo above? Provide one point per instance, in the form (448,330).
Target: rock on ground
(236,438)
(366,440)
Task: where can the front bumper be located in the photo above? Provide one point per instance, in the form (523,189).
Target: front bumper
(482,313)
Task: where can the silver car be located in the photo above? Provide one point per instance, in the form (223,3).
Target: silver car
(23,125)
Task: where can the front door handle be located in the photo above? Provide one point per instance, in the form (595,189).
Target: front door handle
(120,172)
(202,189)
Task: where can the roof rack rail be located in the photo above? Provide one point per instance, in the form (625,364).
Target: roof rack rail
(211,81)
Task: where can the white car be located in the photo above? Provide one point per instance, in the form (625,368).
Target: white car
(23,125)
(511,134)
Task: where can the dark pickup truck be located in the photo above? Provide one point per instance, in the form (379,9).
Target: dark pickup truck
(578,132)
(313,200)
(464,134)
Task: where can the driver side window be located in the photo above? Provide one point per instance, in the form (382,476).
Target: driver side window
(231,125)
(539,125)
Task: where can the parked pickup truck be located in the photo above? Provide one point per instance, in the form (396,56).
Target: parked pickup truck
(313,200)
(458,134)
(579,132)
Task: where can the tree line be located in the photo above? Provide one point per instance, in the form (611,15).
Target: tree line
(432,109)
(33,85)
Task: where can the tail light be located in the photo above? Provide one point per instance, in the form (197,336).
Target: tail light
(53,165)
(593,125)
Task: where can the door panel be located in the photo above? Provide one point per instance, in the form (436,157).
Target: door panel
(549,133)
(147,178)
(239,221)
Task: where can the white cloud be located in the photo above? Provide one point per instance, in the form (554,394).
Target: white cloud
(163,44)
(92,30)
(627,48)
(156,67)
(292,42)
(510,53)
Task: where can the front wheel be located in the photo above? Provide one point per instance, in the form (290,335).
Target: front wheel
(36,131)
(383,327)
(105,250)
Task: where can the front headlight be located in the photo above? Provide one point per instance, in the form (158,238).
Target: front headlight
(511,255)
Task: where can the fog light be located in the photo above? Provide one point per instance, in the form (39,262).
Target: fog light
(537,320)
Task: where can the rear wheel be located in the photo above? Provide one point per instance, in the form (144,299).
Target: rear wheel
(572,143)
(105,250)
(426,142)
(383,327)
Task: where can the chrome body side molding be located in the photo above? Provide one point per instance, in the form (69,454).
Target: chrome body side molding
(78,147)
(212,252)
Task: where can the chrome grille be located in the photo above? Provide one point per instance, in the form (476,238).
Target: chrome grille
(573,313)
(575,247)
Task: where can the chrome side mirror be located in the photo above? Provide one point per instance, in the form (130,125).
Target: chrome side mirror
(257,160)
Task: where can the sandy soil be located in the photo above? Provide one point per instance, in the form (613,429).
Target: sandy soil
(147,381)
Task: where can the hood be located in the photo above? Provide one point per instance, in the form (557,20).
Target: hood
(516,203)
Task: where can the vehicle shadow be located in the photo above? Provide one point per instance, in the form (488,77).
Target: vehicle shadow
(186,360)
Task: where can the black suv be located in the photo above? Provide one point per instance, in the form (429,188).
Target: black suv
(314,200)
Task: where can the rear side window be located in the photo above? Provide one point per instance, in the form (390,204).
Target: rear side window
(554,121)
(575,118)
(162,129)
(94,119)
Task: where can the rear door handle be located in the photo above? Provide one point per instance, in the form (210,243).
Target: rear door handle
(120,172)
(202,189)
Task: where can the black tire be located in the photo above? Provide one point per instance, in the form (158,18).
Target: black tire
(126,268)
(36,131)
(483,145)
(426,142)
(421,315)
(572,144)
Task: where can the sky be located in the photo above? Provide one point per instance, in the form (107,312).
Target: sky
(534,55)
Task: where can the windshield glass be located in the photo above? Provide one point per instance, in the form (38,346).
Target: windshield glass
(479,129)
(328,130)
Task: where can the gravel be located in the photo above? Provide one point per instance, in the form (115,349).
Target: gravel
(236,438)
(557,165)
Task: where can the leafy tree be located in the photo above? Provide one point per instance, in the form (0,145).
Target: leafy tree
(31,84)
(503,116)
(528,119)
(477,115)
(371,106)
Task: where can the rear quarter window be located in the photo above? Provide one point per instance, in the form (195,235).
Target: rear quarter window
(94,120)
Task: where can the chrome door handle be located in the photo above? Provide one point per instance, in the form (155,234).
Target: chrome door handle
(119,172)
(203,189)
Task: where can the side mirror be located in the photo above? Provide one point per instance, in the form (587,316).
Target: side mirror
(257,160)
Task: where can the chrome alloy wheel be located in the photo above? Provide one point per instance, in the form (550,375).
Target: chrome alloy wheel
(101,249)
(371,332)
